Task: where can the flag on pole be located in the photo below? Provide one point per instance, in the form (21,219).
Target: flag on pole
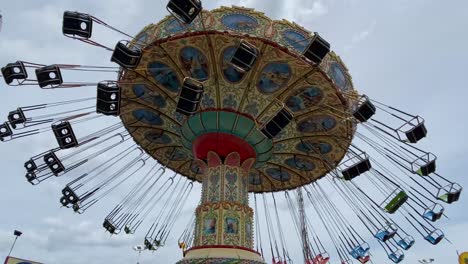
(13,260)
(463,258)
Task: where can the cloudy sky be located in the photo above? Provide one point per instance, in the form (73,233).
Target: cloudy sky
(409,53)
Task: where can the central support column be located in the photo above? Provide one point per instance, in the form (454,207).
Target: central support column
(224,216)
(224,220)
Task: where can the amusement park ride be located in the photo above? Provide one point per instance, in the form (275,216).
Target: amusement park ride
(242,104)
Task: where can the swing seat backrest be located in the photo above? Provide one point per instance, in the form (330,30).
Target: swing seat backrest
(364,259)
(432,216)
(434,239)
(396,258)
(365,110)
(427,168)
(406,243)
(417,133)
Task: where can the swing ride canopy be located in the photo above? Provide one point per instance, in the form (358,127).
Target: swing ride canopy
(245,100)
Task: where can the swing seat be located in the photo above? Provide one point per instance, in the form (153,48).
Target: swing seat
(64,201)
(450,193)
(64,134)
(396,202)
(435,237)
(356,169)
(108,99)
(77,24)
(127,58)
(386,233)
(149,245)
(32,178)
(54,163)
(364,259)
(277,123)
(244,57)
(76,208)
(14,71)
(190,97)
(30,165)
(434,213)
(427,168)
(406,243)
(184,10)
(360,251)
(49,76)
(128,230)
(70,195)
(16,117)
(317,49)
(416,133)
(110,226)
(364,110)
(396,256)
(5,131)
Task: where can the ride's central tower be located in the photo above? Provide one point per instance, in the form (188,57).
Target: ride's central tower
(224,220)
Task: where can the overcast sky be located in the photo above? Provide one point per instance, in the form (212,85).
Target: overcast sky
(409,53)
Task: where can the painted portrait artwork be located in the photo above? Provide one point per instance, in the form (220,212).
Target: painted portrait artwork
(195,63)
(232,225)
(209,226)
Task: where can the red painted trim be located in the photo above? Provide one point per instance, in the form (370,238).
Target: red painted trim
(222,246)
(223,144)
(6,260)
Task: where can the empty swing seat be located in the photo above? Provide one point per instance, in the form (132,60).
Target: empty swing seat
(5,131)
(364,110)
(396,256)
(244,57)
(49,76)
(64,134)
(108,99)
(395,203)
(126,57)
(30,165)
(427,169)
(148,244)
(77,24)
(54,163)
(386,233)
(70,195)
(128,230)
(277,123)
(406,243)
(317,49)
(416,133)
(16,117)
(434,213)
(450,193)
(14,71)
(360,251)
(32,178)
(190,97)
(356,169)
(184,10)
(110,226)
(435,237)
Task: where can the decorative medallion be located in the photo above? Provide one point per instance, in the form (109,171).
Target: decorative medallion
(239,22)
(274,77)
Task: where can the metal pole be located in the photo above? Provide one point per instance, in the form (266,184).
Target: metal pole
(12,246)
